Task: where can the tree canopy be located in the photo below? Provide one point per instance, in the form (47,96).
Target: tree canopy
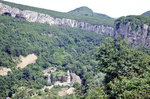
(127,70)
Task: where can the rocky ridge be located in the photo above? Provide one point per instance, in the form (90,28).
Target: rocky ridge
(134,33)
(32,16)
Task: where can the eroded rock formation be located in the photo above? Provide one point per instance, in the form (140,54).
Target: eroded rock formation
(137,34)
(75,78)
(32,16)
(70,78)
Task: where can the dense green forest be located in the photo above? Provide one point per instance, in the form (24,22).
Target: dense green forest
(121,72)
(109,68)
(95,18)
(127,72)
(61,47)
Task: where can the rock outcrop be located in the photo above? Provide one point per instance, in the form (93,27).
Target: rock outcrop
(75,78)
(69,78)
(32,16)
(136,34)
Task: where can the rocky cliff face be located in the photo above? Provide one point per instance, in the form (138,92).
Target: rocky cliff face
(32,16)
(137,34)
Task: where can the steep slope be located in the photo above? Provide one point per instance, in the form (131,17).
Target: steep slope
(147,13)
(56,44)
(61,47)
(55,14)
(136,29)
(66,44)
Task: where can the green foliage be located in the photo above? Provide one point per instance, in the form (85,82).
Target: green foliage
(96,19)
(76,85)
(22,95)
(95,93)
(98,79)
(127,70)
(121,72)
(46,90)
(62,47)
(85,11)
(135,87)
(133,20)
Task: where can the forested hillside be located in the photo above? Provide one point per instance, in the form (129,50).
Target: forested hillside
(66,48)
(147,13)
(127,72)
(109,68)
(126,64)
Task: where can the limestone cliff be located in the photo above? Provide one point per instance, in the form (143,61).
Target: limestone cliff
(32,16)
(135,33)
(132,28)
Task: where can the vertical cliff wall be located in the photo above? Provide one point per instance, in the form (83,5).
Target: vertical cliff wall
(137,33)
(32,16)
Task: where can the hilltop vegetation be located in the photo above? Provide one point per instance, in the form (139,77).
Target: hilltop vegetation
(85,11)
(147,13)
(138,20)
(97,19)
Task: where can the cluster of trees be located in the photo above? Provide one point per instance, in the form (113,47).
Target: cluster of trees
(122,71)
(133,20)
(62,47)
(96,19)
(117,71)
(126,69)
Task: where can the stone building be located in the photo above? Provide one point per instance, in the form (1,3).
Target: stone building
(70,78)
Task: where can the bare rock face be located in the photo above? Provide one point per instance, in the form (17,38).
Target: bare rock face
(27,15)
(134,33)
(14,11)
(4,9)
(32,16)
(75,78)
(43,18)
(70,78)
